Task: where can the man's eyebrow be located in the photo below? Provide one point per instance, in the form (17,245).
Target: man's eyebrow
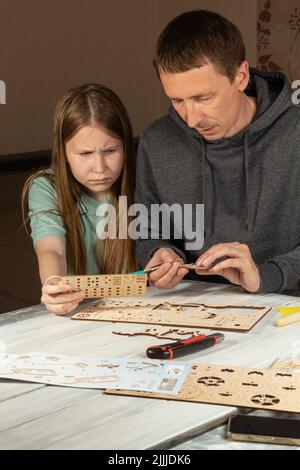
(200,95)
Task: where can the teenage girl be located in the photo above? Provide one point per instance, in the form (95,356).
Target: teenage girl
(92,164)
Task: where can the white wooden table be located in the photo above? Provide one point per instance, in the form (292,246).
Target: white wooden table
(35,416)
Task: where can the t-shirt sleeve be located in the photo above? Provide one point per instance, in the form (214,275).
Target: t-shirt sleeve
(43,213)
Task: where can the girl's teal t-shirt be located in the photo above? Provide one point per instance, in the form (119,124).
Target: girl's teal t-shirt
(45,220)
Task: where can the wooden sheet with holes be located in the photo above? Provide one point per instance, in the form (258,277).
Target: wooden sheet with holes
(220,317)
(235,386)
(108,285)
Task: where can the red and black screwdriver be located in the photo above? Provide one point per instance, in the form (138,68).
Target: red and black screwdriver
(185,346)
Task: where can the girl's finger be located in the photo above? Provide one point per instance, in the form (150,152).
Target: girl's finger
(62,309)
(63,298)
(56,289)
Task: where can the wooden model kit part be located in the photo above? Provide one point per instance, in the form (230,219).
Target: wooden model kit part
(218,317)
(234,386)
(163,332)
(196,267)
(105,285)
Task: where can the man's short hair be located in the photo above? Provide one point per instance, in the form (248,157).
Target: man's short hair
(197,38)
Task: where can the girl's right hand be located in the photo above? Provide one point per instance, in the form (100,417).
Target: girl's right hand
(57,297)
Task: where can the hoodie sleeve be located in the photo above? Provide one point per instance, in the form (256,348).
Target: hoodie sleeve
(146,194)
(281,273)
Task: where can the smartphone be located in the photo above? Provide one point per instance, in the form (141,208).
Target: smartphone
(284,431)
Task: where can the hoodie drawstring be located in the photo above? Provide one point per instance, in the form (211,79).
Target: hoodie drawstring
(246,167)
(246,170)
(203,148)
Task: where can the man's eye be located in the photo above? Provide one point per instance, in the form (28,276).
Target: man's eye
(85,153)
(199,99)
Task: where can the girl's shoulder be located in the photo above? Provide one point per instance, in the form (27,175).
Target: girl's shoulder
(42,186)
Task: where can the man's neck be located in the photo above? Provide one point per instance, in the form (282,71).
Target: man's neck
(246,115)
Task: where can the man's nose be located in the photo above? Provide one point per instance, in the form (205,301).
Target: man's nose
(194,115)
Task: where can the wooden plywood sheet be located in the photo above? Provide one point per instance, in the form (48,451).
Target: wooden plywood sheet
(114,285)
(235,386)
(220,317)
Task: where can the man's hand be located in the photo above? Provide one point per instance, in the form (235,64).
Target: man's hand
(170,273)
(239,268)
(57,297)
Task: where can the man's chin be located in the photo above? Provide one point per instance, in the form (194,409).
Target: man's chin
(212,136)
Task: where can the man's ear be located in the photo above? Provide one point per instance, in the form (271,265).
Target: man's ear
(243,75)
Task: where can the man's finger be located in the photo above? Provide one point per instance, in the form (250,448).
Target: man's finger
(160,272)
(227,250)
(235,263)
(165,280)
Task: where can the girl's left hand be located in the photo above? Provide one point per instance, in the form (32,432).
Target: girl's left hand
(58,298)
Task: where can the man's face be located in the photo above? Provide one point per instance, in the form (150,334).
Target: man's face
(207,100)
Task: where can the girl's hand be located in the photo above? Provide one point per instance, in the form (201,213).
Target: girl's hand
(58,297)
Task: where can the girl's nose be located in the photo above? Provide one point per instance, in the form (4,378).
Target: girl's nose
(99,164)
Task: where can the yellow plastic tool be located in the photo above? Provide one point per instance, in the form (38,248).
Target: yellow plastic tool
(288,310)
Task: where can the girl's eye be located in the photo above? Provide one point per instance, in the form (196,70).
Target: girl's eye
(109,151)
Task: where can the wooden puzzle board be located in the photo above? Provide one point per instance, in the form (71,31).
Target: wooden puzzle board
(108,285)
(235,386)
(220,317)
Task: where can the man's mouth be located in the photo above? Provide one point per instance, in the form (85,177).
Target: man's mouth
(207,129)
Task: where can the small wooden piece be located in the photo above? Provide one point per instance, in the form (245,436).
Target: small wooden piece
(196,267)
(235,386)
(114,285)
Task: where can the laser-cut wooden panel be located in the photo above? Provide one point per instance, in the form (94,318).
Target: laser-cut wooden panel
(220,317)
(114,285)
(235,386)
(162,332)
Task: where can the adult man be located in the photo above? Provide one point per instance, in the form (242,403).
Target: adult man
(231,141)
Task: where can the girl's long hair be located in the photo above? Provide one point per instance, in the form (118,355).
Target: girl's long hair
(90,104)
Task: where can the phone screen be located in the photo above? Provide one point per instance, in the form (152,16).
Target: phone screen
(264,429)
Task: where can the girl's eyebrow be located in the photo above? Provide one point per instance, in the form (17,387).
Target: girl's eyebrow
(105,147)
(114,145)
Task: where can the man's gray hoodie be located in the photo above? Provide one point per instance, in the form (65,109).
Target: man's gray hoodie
(249,183)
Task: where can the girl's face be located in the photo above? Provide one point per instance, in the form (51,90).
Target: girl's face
(96,159)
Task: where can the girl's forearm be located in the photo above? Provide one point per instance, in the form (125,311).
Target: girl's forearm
(51,264)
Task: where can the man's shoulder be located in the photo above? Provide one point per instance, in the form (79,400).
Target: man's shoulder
(160,129)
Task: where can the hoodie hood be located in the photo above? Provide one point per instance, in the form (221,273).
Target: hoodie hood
(273,98)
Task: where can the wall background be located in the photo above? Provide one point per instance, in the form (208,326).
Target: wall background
(278,36)
(49,46)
